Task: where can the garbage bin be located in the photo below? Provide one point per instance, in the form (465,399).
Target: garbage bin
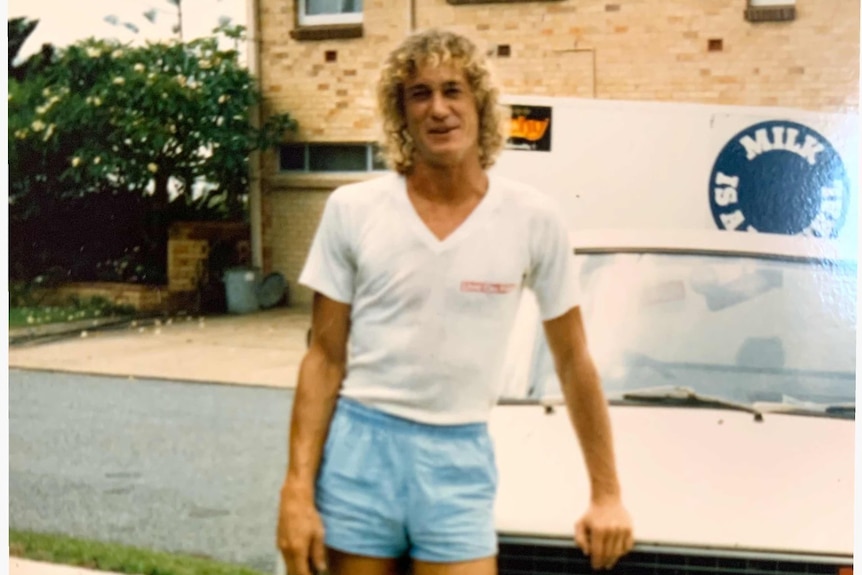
(241,289)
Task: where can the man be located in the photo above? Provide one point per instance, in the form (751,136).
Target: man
(417,277)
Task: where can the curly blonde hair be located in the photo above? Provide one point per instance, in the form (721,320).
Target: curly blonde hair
(435,47)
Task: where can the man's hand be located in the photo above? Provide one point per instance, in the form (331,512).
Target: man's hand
(300,532)
(604,533)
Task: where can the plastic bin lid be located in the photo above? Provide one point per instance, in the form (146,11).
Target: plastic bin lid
(271,290)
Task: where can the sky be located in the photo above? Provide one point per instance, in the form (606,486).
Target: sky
(62,22)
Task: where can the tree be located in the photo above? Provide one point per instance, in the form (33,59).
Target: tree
(168,121)
(19,30)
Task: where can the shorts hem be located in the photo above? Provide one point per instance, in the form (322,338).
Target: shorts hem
(365,552)
(431,558)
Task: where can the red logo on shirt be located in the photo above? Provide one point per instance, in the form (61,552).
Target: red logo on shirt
(486,287)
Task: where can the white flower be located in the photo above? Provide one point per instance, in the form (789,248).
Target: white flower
(205,64)
(182,80)
(38,126)
(48,133)
(97,101)
(94,52)
(152,167)
(219,121)
(46,92)
(140,67)
(222,99)
(97,160)
(173,129)
(41,110)
(21,134)
(76,161)
(119,80)
(117,54)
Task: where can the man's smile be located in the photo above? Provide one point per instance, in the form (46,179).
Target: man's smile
(442,130)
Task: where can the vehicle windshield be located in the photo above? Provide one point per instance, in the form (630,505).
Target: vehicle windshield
(743,329)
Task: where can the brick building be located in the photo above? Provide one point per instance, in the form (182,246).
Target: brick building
(319,61)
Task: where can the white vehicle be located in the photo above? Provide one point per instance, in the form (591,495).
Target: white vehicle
(730,371)
(728,358)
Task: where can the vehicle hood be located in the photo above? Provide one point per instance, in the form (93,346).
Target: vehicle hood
(690,477)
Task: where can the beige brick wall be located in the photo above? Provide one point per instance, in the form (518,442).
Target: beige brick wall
(643,50)
(296,213)
(187,261)
(609,49)
(293,207)
(332,101)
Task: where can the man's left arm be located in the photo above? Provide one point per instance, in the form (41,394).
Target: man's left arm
(605,531)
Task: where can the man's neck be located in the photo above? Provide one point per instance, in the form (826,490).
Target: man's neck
(447,184)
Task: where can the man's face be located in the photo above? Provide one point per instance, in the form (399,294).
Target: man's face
(441,115)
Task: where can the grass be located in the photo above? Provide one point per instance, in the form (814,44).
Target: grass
(105,556)
(29,316)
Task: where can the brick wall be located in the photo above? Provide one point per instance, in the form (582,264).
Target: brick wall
(609,49)
(660,50)
(643,50)
(292,208)
(333,101)
(143,298)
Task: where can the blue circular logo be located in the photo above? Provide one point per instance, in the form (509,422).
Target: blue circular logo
(779,177)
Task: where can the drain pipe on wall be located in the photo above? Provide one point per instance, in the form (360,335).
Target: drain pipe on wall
(255,203)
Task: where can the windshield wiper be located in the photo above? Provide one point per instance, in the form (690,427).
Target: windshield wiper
(794,406)
(686,397)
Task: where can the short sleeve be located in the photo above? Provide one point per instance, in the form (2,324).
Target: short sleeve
(552,276)
(330,266)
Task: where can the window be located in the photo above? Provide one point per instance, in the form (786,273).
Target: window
(460,2)
(330,158)
(770,10)
(326,12)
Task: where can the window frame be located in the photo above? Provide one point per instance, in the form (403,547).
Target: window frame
(371,165)
(770,10)
(472,2)
(309,20)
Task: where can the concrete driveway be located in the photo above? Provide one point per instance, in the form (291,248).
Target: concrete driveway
(262,348)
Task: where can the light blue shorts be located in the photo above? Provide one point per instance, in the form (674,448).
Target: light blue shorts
(389,487)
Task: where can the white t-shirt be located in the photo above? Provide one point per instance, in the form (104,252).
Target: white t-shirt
(430,319)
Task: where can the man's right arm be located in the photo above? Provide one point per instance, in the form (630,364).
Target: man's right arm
(300,531)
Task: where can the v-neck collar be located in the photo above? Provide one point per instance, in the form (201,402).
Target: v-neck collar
(488,202)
